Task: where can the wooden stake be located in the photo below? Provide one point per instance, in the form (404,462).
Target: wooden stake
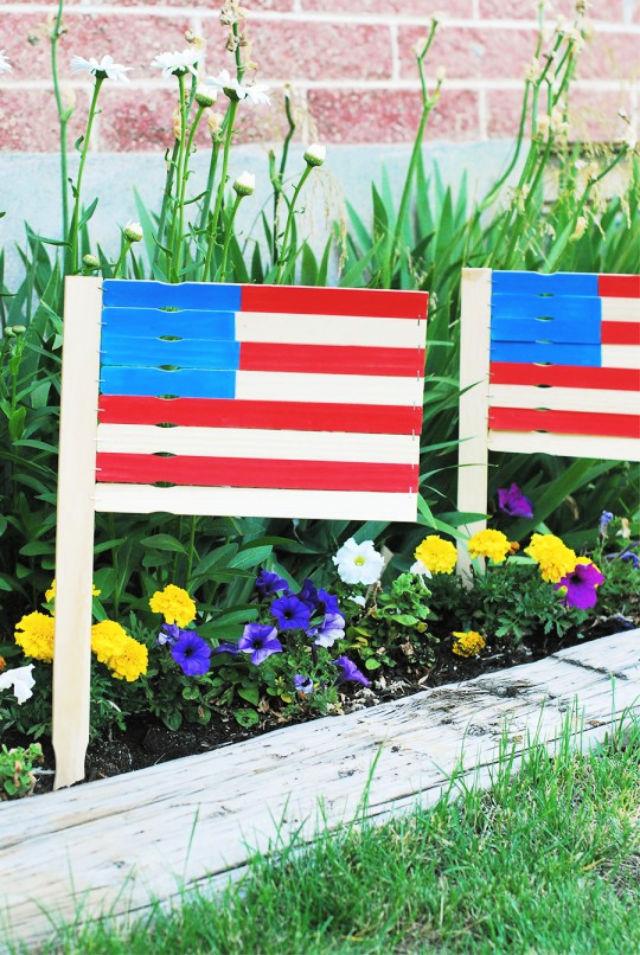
(75,526)
(473,457)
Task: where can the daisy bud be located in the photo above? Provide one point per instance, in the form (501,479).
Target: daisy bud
(205,97)
(245,185)
(315,154)
(133,232)
(19,329)
(91,261)
(214,122)
(194,39)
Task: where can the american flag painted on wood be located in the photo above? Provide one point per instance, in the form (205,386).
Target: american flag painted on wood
(565,364)
(260,400)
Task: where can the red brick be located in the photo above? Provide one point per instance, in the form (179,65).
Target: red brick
(503,113)
(593,114)
(415,8)
(321,51)
(527,9)
(268,124)
(470,53)
(29,122)
(610,56)
(381,116)
(136,119)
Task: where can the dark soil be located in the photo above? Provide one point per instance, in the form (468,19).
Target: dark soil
(147,741)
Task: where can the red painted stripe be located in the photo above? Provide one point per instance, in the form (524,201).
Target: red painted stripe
(332,359)
(305,300)
(569,376)
(249,472)
(564,422)
(621,333)
(619,286)
(279,415)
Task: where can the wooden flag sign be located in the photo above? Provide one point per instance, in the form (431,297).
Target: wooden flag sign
(217,399)
(548,363)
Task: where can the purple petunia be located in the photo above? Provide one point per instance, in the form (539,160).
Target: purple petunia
(581,586)
(268,583)
(191,653)
(291,613)
(605,519)
(332,629)
(260,641)
(350,672)
(170,633)
(513,502)
(316,599)
(227,647)
(303,684)
(629,555)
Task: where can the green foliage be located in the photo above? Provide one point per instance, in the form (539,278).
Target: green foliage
(16,770)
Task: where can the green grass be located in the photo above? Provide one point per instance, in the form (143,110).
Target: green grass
(546,862)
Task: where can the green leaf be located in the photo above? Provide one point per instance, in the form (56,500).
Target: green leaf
(246,718)
(250,694)
(164,542)
(251,557)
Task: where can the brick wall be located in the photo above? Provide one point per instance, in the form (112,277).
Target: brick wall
(349,62)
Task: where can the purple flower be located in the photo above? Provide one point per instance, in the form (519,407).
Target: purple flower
(326,602)
(332,629)
(317,599)
(629,555)
(350,672)
(227,647)
(303,684)
(581,586)
(268,583)
(291,613)
(260,641)
(170,633)
(308,593)
(605,519)
(191,653)
(513,502)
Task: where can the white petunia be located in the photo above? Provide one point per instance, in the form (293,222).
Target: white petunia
(420,569)
(21,680)
(358,599)
(359,563)
(5,66)
(255,94)
(104,69)
(177,63)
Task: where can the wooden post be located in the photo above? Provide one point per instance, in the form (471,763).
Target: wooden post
(473,456)
(75,526)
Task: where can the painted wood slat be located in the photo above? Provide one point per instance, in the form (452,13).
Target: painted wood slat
(193,353)
(536,283)
(556,354)
(184,383)
(621,356)
(619,286)
(335,389)
(303,416)
(142,294)
(570,310)
(334,301)
(132,323)
(565,445)
(621,333)
(266,502)
(114,832)
(264,473)
(332,359)
(564,422)
(564,376)
(620,309)
(259,443)
(565,399)
(75,527)
(583,331)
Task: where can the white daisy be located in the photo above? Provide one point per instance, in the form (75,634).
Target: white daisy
(21,680)
(359,563)
(104,69)
(315,154)
(245,184)
(255,94)
(177,63)
(5,66)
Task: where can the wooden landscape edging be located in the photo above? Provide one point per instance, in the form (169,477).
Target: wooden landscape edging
(112,845)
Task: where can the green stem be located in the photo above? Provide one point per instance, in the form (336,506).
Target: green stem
(192,549)
(176,230)
(277,180)
(206,204)
(63,118)
(284,252)
(125,245)
(213,227)
(183,186)
(166,198)
(83,158)
(222,272)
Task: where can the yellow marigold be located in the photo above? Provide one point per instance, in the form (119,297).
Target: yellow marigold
(126,658)
(492,544)
(50,594)
(437,555)
(553,557)
(175,605)
(34,634)
(468,643)
(106,639)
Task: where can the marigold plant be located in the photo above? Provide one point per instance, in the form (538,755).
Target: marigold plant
(175,605)
(438,555)
(126,658)
(34,635)
(468,643)
(491,544)
(554,559)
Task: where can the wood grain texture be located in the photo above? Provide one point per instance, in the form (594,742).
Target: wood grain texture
(569,445)
(110,845)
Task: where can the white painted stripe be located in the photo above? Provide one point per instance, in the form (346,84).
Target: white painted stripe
(227,502)
(336,389)
(567,445)
(565,399)
(330,330)
(258,443)
(621,309)
(621,356)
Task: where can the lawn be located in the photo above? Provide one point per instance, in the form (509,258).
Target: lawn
(546,862)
